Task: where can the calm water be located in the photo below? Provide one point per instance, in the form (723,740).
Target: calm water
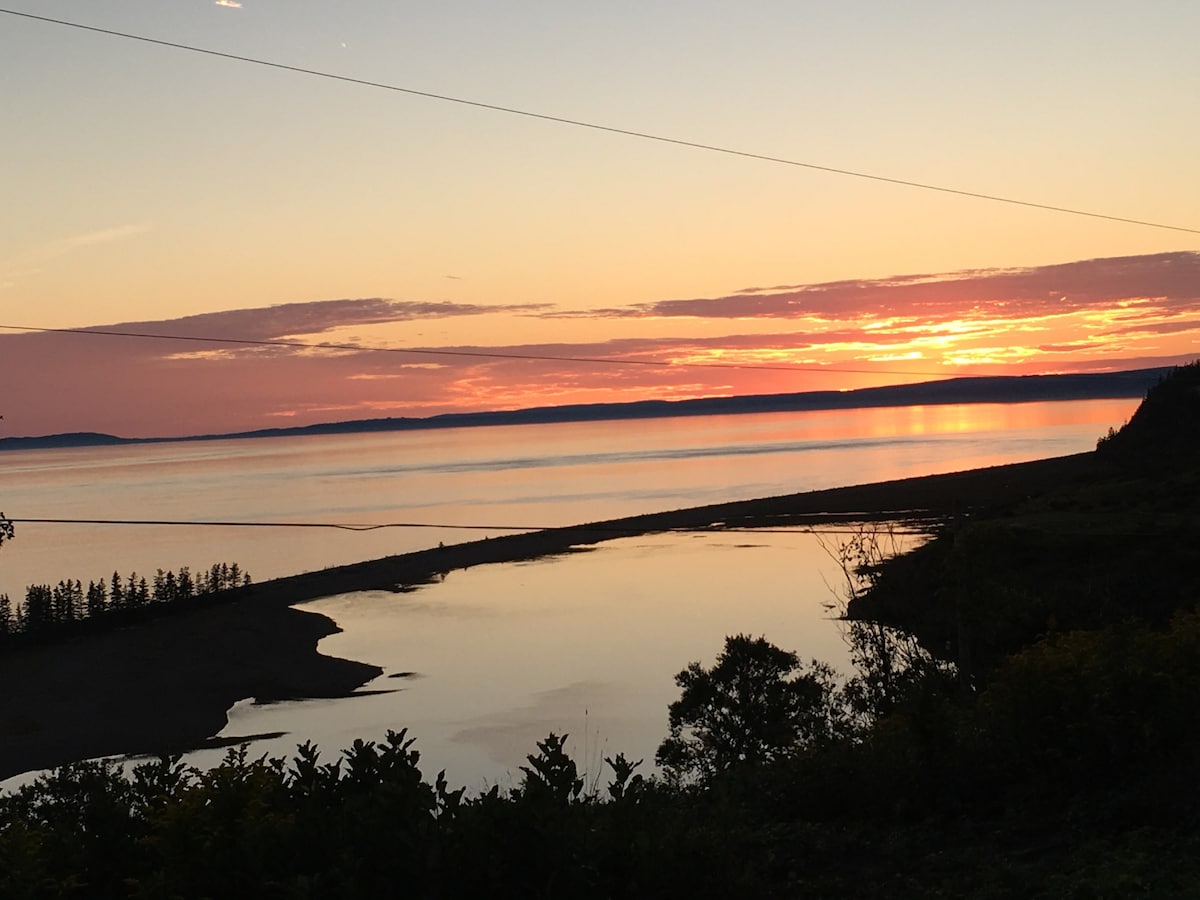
(587,643)
(524,476)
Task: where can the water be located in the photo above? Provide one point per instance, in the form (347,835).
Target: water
(495,657)
(587,644)
(510,476)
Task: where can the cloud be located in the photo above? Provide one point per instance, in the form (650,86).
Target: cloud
(1168,278)
(46,251)
(291,320)
(1098,314)
(1168,327)
(30,262)
(1072,347)
(232,4)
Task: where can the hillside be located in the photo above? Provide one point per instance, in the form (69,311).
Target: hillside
(1000,389)
(1120,544)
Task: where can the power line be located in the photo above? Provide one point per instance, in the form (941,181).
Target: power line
(715,528)
(218,524)
(907,520)
(475,354)
(579,123)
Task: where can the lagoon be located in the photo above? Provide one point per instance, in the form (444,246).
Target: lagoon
(481,666)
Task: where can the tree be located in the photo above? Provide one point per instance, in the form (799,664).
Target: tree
(891,667)
(117,593)
(756,705)
(38,615)
(96,599)
(552,775)
(184,585)
(7,619)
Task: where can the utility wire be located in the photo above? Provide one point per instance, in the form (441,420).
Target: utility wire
(717,527)
(578,123)
(906,520)
(217,524)
(476,354)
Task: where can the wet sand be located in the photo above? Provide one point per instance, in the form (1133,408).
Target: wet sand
(166,684)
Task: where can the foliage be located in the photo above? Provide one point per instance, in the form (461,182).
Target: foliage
(890,665)
(625,784)
(1164,431)
(49,612)
(364,825)
(757,704)
(551,774)
(1089,705)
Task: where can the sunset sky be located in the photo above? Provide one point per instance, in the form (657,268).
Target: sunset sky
(155,190)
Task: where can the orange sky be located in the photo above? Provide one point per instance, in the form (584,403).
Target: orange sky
(1092,315)
(186,191)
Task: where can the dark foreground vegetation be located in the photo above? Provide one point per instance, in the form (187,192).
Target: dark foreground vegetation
(1023,722)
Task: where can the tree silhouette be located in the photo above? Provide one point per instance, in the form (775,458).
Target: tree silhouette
(756,705)
(49,612)
(7,619)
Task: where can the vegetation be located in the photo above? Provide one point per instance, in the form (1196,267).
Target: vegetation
(50,612)
(1022,722)
(756,705)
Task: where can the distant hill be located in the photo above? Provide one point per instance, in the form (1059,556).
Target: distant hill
(997,389)
(1165,429)
(72,439)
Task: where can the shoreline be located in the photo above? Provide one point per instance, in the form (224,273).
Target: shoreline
(165,685)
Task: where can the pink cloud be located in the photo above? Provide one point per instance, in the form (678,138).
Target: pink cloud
(1171,278)
(1097,314)
(313,317)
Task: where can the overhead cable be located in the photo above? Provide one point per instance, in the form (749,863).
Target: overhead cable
(715,527)
(610,129)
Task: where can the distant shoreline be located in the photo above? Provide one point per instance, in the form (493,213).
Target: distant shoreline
(988,389)
(166,685)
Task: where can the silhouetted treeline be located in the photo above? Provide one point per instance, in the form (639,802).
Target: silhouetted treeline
(68,607)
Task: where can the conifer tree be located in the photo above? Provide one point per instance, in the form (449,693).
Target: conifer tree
(38,613)
(186,587)
(95,599)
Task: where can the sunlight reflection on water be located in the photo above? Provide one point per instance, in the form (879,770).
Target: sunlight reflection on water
(587,643)
(520,476)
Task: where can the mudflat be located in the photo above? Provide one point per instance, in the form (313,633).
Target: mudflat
(165,684)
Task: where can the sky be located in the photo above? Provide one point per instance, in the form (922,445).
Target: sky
(154,190)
